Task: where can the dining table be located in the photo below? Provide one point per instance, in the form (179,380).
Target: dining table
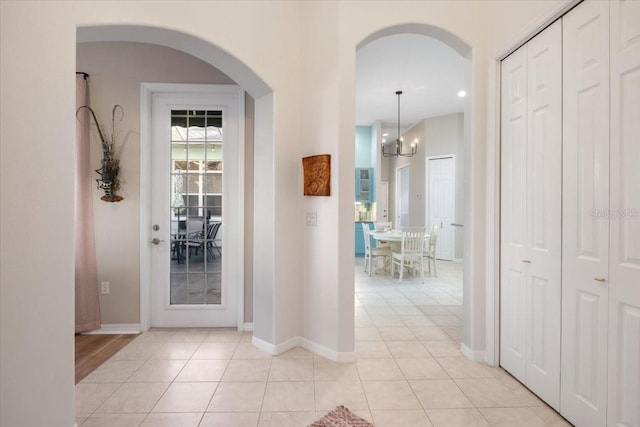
(394,239)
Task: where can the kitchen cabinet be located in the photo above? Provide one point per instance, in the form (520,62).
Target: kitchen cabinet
(364,185)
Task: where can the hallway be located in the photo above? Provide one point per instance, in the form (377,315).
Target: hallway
(409,372)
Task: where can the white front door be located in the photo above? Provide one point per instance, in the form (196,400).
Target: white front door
(440,202)
(402,197)
(196,211)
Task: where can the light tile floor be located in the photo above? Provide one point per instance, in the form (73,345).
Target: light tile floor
(409,372)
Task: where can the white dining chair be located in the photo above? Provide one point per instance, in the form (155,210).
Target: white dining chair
(430,250)
(411,252)
(370,252)
(383,226)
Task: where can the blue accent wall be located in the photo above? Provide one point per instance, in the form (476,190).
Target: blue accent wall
(363,147)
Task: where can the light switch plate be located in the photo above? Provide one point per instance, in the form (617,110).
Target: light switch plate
(312,218)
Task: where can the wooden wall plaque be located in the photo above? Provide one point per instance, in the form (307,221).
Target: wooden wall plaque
(317,175)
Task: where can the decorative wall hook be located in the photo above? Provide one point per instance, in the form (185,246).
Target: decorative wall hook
(108,173)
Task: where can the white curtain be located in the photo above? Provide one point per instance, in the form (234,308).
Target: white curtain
(87,298)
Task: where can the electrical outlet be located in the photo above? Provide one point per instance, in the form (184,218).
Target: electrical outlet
(105,288)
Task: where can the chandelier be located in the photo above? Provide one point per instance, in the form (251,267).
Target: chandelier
(398,145)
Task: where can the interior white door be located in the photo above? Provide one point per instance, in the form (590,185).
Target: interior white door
(440,202)
(195,275)
(530,295)
(585,255)
(383,202)
(544,213)
(402,197)
(513,213)
(624,267)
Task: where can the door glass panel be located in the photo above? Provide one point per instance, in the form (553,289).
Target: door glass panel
(196,207)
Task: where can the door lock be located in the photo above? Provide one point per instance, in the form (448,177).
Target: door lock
(156,227)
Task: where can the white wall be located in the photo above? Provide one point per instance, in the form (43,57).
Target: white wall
(328,301)
(297,59)
(38,57)
(437,136)
(116,71)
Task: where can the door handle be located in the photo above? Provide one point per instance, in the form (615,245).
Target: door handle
(599,279)
(526,261)
(156,241)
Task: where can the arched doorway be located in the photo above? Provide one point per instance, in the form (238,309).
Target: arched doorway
(469,307)
(258,89)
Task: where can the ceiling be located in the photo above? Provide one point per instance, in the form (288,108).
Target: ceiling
(428,71)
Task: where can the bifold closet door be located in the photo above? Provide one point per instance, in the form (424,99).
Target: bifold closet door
(585,254)
(513,213)
(624,217)
(531,214)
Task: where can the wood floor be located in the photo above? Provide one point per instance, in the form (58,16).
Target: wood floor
(93,350)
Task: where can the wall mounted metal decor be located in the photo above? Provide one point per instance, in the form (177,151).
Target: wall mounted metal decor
(108,173)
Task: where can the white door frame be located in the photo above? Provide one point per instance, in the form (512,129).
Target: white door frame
(492,246)
(427,198)
(397,201)
(147,90)
(382,194)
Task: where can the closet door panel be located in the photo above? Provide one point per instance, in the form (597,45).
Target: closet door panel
(544,219)
(513,214)
(624,217)
(585,253)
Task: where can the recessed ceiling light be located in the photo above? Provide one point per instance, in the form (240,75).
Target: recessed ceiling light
(384,140)
(462,94)
(385,134)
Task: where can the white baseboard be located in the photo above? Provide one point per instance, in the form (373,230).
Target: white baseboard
(274,350)
(473,355)
(116,328)
(336,356)
(277,349)
(247,327)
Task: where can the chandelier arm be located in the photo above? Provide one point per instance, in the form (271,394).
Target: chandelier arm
(398,151)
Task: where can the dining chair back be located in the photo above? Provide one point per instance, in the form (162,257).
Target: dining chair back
(430,250)
(194,226)
(411,252)
(370,252)
(383,226)
(212,235)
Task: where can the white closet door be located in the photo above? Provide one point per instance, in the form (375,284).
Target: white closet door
(513,214)
(441,185)
(544,208)
(585,255)
(624,292)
